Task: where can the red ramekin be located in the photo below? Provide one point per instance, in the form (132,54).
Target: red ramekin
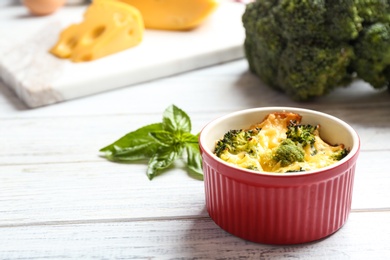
(279,208)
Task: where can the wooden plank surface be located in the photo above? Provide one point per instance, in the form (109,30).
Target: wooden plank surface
(46,192)
(60,199)
(195,238)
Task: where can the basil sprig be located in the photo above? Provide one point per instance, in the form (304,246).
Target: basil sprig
(161,143)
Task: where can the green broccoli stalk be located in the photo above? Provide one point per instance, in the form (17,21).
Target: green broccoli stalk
(307,48)
(288,152)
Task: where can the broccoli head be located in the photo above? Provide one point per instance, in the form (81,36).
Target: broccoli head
(339,154)
(235,141)
(302,134)
(288,152)
(307,48)
(373,11)
(373,49)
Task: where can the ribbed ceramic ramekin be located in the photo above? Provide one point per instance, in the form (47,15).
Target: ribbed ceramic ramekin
(275,208)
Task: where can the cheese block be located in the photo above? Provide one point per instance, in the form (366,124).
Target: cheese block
(173,14)
(108,27)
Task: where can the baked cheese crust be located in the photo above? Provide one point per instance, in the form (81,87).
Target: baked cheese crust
(269,134)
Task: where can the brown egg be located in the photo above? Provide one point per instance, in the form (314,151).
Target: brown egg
(43,7)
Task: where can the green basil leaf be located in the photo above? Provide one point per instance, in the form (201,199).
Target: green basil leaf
(134,145)
(161,143)
(189,138)
(163,137)
(194,159)
(176,120)
(132,154)
(162,159)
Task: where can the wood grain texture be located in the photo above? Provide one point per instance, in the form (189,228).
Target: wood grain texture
(60,199)
(195,238)
(45,192)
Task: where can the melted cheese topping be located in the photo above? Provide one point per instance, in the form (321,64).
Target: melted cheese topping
(266,141)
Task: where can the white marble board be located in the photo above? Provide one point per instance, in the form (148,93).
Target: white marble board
(38,78)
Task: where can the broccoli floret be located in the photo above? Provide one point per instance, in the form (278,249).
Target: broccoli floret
(235,141)
(373,51)
(302,134)
(373,11)
(309,48)
(289,152)
(340,154)
(312,69)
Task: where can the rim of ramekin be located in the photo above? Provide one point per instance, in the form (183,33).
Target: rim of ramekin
(351,155)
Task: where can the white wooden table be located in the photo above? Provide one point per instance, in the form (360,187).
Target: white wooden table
(60,199)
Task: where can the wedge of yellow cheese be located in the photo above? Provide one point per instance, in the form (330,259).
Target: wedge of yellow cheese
(173,14)
(108,27)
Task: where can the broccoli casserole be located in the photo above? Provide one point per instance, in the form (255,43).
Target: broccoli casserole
(280,143)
